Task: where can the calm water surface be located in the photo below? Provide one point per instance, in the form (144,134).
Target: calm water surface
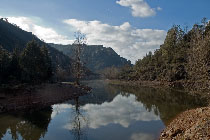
(108,113)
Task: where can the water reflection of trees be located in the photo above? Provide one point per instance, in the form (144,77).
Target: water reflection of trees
(79,122)
(165,103)
(28,126)
(101,93)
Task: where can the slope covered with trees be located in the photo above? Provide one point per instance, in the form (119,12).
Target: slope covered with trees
(96,57)
(12,37)
(32,65)
(184,58)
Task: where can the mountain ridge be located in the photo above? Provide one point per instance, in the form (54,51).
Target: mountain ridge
(96,57)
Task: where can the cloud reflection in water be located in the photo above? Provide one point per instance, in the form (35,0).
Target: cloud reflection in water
(122,110)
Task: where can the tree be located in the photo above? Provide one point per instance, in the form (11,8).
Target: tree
(80,42)
(32,65)
(111,72)
(47,63)
(36,63)
(184,57)
(15,68)
(4,65)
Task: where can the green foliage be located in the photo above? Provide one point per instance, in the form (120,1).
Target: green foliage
(15,68)
(184,56)
(32,65)
(126,72)
(199,56)
(167,63)
(36,63)
(12,37)
(4,65)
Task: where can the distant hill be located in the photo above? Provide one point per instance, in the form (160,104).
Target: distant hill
(11,36)
(96,57)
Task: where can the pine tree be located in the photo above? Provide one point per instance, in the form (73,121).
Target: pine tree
(15,68)
(36,63)
(4,65)
(47,63)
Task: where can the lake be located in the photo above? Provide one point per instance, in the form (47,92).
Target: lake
(108,113)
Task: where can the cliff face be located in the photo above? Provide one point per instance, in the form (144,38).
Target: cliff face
(96,57)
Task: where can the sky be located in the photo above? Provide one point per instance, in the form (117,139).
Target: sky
(131,27)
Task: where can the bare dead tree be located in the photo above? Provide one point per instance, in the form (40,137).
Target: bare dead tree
(6,19)
(79,43)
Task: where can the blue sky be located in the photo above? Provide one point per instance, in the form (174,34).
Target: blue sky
(130,27)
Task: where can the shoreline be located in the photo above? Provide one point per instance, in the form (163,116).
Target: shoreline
(159,84)
(191,124)
(39,96)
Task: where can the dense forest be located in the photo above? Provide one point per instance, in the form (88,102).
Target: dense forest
(12,37)
(183,59)
(13,41)
(96,57)
(32,65)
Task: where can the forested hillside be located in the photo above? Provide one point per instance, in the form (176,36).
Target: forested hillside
(184,58)
(31,65)
(14,38)
(96,57)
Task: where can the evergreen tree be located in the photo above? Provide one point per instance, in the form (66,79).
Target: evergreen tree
(15,68)
(4,65)
(35,63)
(47,63)
(184,57)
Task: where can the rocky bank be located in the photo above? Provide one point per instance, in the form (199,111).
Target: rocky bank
(190,125)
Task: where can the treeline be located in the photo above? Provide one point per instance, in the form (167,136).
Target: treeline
(31,65)
(184,57)
(12,37)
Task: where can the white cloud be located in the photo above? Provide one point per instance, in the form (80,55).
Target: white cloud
(127,41)
(122,110)
(159,8)
(139,7)
(49,35)
(142,136)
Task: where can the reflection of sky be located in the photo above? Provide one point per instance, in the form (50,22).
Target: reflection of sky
(141,136)
(122,110)
(122,118)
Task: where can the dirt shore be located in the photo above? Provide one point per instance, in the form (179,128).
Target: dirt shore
(38,97)
(190,125)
